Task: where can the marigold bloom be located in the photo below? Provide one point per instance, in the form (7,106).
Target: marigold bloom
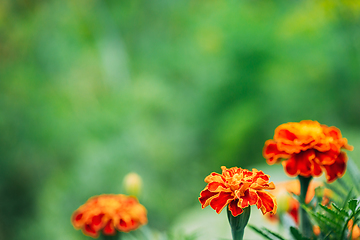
(308,149)
(238,188)
(109,212)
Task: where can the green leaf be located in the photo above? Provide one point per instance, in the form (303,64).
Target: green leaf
(266,233)
(352,205)
(346,200)
(297,235)
(340,210)
(297,197)
(261,232)
(357,211)
(327,235)
(354,174)
(274,234)
(321,219)
(345,227)
(331,212)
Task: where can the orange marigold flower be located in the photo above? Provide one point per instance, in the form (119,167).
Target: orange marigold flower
(238,188)
(109,212)
(308,149)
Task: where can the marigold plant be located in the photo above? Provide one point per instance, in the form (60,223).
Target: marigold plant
(108,213)
(238,188)
(308,148)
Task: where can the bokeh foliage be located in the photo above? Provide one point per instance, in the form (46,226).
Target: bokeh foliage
(93,89)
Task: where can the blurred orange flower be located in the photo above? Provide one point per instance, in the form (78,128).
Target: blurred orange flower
(238,188)
(288,204)
(308,148)
(109,212)
(355,230)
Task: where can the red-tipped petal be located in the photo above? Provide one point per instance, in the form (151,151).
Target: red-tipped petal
(77,220)
(268,202)
(96,220)
(78,217)
(109,228)
(220,201)
(250,198)
(206,196)
(90,231)
(213,186)
(285,134)
(290,166)
(304,162)
(317,171)
(337,169)
(234,208)
(272,153)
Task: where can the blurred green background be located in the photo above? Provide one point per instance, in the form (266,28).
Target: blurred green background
(91,90)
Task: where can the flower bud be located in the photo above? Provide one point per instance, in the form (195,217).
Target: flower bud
(132,184)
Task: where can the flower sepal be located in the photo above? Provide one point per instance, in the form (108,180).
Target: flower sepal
(238,223)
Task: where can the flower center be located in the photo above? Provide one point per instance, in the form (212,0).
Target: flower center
(313,130)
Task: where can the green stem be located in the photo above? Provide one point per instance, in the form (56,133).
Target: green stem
(117,236)
(344,229)
(238,223)
(305,224)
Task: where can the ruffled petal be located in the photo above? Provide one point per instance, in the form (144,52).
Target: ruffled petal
(346,145)
(268,202)
(272,153)
(317,171)
(90,231)
(220,201)
(214,177)
(109,228)
(77,219)
(271,186)
(216,187)
(234,208)
(284,134)
(128,225)
(290,166)
(96,220)
(337,169)
(327,158)
(206,196)
(304,162)
(250,198)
